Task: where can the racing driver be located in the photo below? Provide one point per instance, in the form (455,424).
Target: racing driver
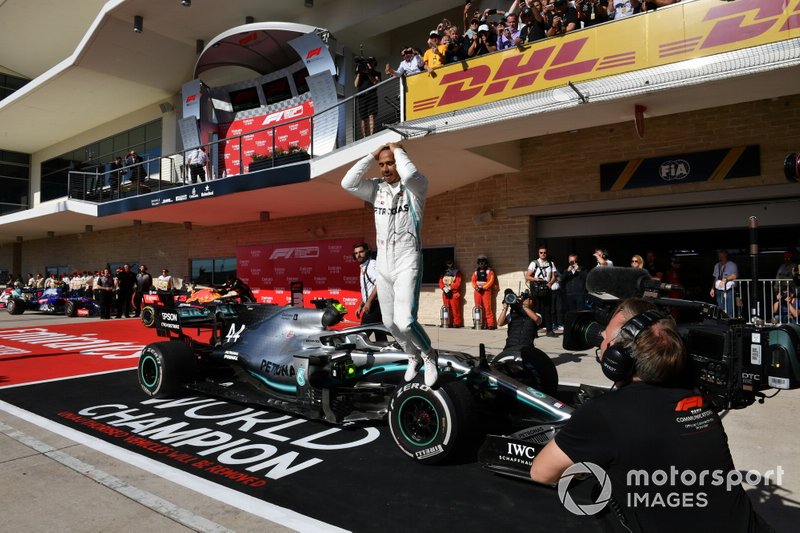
(398,197)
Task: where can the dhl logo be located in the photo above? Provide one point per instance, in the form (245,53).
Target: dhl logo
(708,26)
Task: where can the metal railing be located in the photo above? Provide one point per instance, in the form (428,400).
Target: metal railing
(356,117)
(776,300)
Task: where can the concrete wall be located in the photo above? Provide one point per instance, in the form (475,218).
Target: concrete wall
(557,169)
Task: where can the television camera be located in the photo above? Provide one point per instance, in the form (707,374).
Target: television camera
(732,361)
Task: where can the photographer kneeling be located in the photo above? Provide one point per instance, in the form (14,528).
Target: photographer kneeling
(523,321)
(652,424)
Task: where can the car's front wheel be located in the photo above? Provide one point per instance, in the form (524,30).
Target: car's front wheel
(70,309)
(433,425)
(164,367)
(15,306)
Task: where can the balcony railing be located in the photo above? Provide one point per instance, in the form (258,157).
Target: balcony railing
(284,143)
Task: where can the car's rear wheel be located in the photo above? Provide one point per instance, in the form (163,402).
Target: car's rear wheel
(70,309)
(528,365)
(148,316)
(433,425)
(15,306)
(164,367)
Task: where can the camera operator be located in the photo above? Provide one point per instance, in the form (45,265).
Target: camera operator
(366,77)
(522,319)
(651,423)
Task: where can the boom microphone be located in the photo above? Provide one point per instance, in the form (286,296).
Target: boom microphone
(609,283)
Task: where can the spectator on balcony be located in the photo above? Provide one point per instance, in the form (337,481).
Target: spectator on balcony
(483,43)
(116,169)
(434,55)
(135,165)
(472,28)
(457,49)
(504,36)
(533,25)
(620,9)
(560,18)
(366,77)
(197,160)
(410,64)
(591,12)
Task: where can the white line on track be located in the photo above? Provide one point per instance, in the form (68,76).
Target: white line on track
(260,508)
(147,499)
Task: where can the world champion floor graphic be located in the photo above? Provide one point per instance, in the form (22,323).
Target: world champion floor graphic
(354,478)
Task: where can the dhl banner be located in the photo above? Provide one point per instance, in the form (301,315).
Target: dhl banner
(677,33)
(325,268)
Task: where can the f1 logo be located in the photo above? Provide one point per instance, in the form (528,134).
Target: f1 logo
(314,52)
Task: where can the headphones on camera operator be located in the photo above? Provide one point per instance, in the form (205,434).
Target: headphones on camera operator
(618,362)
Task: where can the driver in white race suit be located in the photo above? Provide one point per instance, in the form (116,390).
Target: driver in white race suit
(398,197)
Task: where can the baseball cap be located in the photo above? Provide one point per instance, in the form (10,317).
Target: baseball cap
(433,33)
(473,20)
(483,27)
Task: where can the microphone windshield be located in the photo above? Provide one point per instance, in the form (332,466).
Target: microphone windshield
(609,283)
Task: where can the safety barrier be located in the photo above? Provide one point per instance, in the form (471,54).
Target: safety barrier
(776,300)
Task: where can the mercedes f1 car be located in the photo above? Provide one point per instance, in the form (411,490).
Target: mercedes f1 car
(290,359)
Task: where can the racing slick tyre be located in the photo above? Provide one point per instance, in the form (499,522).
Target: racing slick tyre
(15,306)
(164,367)
(70,309)
(433,425)
(148,316)
(529,365)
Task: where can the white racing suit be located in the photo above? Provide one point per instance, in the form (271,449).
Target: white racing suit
(398,219)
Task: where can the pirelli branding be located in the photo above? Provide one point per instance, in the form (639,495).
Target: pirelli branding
(706,27)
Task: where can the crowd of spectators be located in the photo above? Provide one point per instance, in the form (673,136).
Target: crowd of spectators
(525,21)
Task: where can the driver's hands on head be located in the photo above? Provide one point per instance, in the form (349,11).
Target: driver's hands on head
(392,146)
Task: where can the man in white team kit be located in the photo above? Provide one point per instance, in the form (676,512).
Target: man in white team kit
(398,197)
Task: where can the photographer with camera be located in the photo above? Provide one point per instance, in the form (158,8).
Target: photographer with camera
(786,307)
(522,319)
(484,42)
(651,423)
(560,18)
(411,63)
